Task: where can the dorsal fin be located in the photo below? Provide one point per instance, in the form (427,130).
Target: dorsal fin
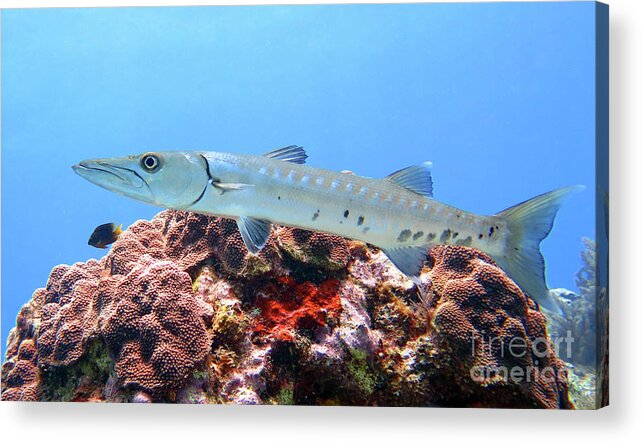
(292,154)
(415,178)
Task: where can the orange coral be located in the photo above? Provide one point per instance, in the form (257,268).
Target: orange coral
(287,306)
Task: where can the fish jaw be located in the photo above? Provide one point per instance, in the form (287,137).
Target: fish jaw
(109,175)
(179,180)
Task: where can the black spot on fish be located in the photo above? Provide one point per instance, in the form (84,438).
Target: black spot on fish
(417,235)
(455,235)
(346,213)
(279,197)
(366,229)
(445,236)
(316,215)
(464,241)
(431,236)
(360,220)
(404,235)
(480,236)
(490,231)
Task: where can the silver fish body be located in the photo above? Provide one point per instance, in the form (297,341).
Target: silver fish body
(376,211)
(396,214)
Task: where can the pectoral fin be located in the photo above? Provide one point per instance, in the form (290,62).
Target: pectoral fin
(254,232)
(226,187)
(409,259)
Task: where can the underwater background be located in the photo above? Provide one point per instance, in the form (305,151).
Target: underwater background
(500,97)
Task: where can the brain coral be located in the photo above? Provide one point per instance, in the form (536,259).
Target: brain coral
(69,316)
(155,326)
(21,379)
(318,248)
(486,326)
(148,317)
(190,239)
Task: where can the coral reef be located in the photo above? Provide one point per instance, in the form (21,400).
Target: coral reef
(577,322)
(21,379)
(485,325)
(581,387)
(578,325)
(179,311)
(155,327)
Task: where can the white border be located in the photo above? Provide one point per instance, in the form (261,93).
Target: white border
(622,420)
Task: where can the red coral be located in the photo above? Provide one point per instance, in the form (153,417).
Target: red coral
(287,306)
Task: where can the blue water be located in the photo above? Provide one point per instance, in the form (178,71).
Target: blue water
(500,97)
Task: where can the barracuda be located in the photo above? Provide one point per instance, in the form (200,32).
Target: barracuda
(396,214)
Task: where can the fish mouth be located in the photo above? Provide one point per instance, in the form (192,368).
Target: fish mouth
(109,176)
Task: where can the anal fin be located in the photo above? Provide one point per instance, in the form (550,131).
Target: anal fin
(409,259)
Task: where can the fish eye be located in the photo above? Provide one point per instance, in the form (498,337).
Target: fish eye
(150,162)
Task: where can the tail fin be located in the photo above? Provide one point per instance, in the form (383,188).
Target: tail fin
(529,223)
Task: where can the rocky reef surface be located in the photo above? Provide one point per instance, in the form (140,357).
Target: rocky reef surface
(178,311)
(578,312)
(578,322)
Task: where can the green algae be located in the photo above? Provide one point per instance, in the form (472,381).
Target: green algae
(64,383)
(203,271)
(201,374)
(285,396)
(256,266)
(305,257)
(581,387)
(229,325)
(361,373)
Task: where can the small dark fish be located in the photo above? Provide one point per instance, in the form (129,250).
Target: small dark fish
(104,235)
